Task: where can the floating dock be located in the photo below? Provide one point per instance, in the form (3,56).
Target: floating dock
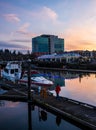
(81,113)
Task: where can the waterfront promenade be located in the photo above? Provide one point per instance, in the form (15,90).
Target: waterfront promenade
(80,113)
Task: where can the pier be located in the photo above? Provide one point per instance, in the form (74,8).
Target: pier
(81,113)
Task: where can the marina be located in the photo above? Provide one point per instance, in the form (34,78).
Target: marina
(47,68)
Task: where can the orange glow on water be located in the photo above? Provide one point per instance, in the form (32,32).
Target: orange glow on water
(83,89)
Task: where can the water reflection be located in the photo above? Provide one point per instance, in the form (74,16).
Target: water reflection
(58,120)
(59,76)
(42,114)
(75,85)
(2,103)
(26,116)
(29,117)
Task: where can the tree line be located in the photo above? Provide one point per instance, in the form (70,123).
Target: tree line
(7,55)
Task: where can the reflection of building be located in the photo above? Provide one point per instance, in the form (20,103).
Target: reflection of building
(70,75)
(47,44)
(61,81)
(60,77)
(55,77)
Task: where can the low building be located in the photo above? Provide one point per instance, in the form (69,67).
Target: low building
(64,57)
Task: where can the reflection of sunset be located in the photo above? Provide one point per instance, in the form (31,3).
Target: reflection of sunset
(84,91)
(11,104)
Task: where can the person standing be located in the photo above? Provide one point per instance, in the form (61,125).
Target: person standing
(57,89)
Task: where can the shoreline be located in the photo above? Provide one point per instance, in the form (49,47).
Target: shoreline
(71,70)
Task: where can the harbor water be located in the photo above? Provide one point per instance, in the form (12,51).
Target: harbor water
(76,86)
(18,116)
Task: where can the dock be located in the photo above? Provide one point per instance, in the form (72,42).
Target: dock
(81,113)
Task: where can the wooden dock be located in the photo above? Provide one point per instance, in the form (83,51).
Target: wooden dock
(81,113)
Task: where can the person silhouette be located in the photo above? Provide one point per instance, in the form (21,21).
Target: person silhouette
(57,89)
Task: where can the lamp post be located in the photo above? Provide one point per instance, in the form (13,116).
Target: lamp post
(29,96)
(29,80)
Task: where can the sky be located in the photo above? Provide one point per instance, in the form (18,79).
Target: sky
(73,20)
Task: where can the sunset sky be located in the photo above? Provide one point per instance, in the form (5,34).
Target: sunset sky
(73,20)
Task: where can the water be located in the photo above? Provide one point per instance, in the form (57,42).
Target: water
(20,116)
(77,86)
(83,89)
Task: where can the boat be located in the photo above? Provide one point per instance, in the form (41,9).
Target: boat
(36,79)
(12,71)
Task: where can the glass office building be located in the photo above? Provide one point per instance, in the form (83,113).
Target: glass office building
(47,44)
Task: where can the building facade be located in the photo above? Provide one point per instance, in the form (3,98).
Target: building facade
(65,57)
(47,44)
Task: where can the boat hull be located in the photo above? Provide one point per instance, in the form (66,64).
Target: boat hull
(25,82)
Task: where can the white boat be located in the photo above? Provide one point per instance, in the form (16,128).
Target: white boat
(36,79)
(12,71)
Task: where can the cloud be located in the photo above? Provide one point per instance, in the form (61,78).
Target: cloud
(23,30)
(45,14)
(45,20)
(24,27)
(80,45)
(71,47)
(80,37)
(26,33)
(49,13)
(11,18)
(20,40)
(7,45)
(86,45)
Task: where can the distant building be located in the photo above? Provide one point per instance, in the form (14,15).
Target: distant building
(65,57)
(88,54)
(47,44)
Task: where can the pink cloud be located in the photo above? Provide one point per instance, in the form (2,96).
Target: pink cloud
(23,30)
(45,13)
(11,17)
(26,33)
(24,27)
(49,13)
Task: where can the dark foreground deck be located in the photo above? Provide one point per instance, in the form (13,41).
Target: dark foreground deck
(82,114)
